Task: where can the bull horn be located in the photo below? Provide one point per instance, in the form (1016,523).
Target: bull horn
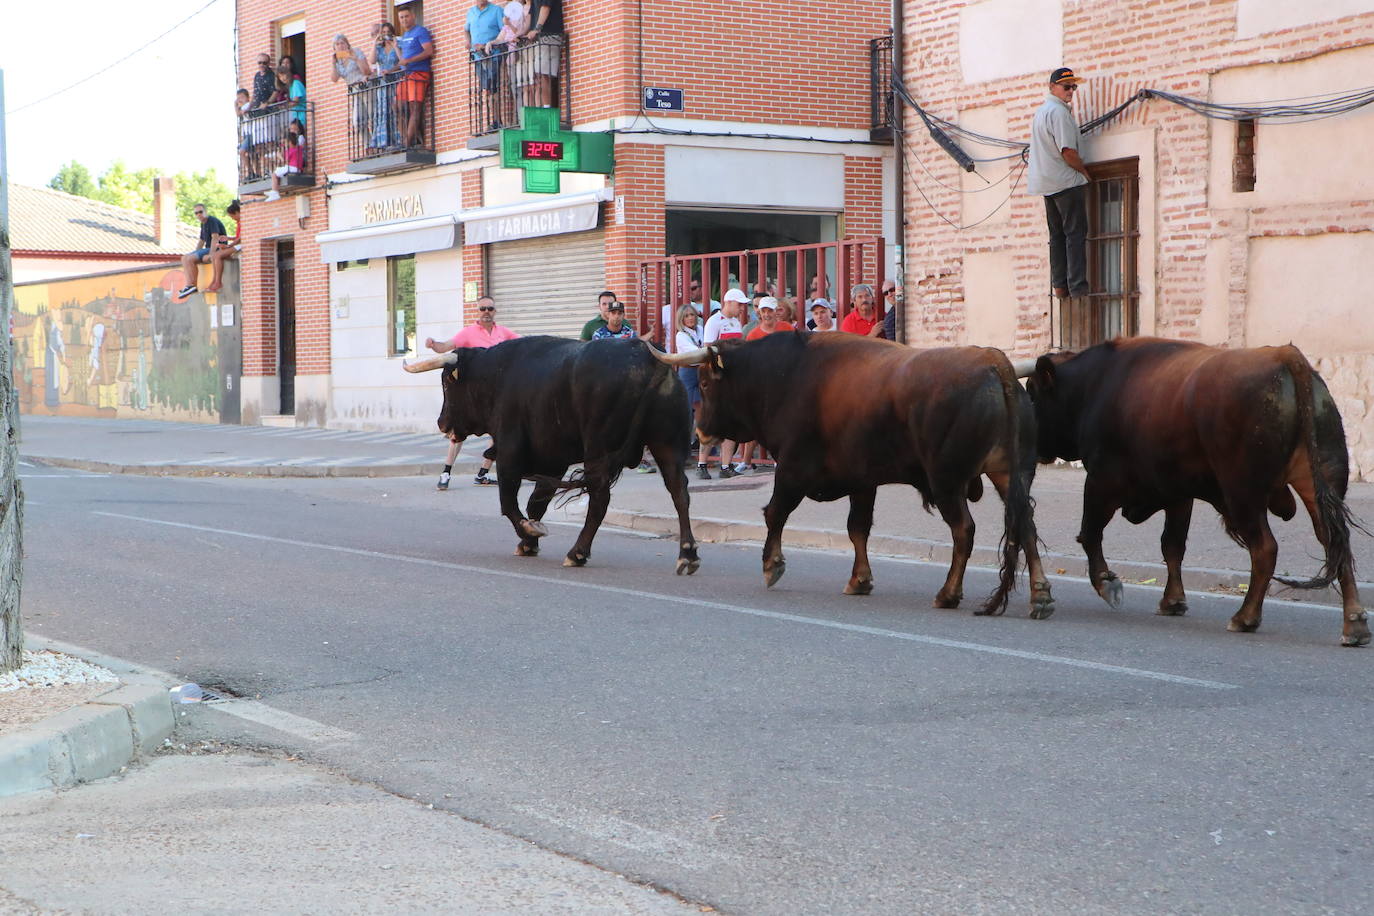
(690,358)
(434,362)
(1024,367)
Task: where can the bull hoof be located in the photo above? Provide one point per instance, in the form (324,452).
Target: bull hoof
(1109,587)
(1356,632)
(859,587)
(687,565)
(532,529)
(1241,626)
(771,576)
(575,559)
(947,601)
(1172,608)
(527,550)
(1041,608)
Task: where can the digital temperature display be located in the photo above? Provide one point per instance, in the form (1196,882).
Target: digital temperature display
(541,149)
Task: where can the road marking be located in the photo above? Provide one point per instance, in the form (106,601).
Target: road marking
(716,605)
(92,474)
(282,720)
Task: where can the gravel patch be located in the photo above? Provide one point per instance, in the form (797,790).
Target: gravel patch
(53,669)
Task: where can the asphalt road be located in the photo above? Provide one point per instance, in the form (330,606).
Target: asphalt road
(763,751)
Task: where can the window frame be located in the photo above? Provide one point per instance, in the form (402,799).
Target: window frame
(392,293)
(1087,327)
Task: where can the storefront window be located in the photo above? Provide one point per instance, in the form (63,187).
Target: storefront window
(400,305)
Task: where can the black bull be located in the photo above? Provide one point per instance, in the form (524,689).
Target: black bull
(843,414)
(1159,423)
(550,403)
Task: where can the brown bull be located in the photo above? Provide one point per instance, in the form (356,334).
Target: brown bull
(844,414)
(1159,423)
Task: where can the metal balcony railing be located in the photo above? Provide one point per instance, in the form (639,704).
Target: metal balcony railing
(881,100)
(510,78)
(797,273)
(385,131)
(264,138)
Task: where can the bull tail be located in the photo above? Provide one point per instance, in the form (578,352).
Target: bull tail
(1018,506)
(1332,513)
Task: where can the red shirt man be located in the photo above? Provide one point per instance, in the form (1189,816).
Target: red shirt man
(768,319)
(864,318)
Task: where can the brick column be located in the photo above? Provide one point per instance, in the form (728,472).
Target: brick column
(641,234)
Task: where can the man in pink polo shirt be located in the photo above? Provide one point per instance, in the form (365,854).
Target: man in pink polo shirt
(482,333)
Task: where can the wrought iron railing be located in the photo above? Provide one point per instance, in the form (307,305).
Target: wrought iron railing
(881,100)
(798,273)
(508,78)
(383,121)
(265,136)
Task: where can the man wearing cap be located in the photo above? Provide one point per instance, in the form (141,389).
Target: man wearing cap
(1056,172)
(725,324)
(822,319)
(768,320)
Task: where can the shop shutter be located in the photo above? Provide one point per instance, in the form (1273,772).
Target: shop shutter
(547,285)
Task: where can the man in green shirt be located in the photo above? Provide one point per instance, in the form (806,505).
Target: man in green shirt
(603,302)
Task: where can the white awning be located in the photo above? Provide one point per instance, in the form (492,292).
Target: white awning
(406,236)
(530,218)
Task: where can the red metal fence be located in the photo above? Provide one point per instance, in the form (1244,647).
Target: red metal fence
(797,272)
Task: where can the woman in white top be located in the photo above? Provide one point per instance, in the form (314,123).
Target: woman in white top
(688,337)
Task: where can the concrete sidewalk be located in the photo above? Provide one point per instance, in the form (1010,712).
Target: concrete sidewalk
(722,510)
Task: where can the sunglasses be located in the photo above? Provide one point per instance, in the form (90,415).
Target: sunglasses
(486,308)
(1070,87)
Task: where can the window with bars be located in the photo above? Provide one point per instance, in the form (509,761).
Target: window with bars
(1112,306)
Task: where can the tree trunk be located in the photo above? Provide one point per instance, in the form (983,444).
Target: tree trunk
(11,491)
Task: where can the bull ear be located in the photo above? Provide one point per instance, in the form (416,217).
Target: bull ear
(1044,374)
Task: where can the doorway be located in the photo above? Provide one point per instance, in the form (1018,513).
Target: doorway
(286,325)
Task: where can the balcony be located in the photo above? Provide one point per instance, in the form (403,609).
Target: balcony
(508,79)
(263,145)
(386,131)
(882,115)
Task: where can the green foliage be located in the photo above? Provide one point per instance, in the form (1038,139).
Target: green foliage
(133,188)
(74,178)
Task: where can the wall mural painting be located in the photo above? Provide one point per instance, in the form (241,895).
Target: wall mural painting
(116,345)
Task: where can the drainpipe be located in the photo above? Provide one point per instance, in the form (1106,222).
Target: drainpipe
(898,172)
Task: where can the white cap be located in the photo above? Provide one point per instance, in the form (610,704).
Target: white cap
(767,302)
(735,295)
(821,301)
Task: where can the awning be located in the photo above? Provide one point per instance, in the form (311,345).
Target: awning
(530,218)
(406,236)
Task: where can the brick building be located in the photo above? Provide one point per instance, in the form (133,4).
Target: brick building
(374,247)
(1214,230)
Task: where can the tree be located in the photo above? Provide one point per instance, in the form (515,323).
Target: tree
(133,189)
(74,178)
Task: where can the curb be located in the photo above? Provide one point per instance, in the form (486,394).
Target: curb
(1134,572)
(267,470)
(90,741)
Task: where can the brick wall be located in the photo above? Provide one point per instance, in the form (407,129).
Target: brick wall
(639,179)
(1120,48)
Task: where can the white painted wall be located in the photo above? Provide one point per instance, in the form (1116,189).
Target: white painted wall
(1001,38)
(988,186)
(753,178)
(1297,163)
(1311,291)
(1255,17)
(990,300)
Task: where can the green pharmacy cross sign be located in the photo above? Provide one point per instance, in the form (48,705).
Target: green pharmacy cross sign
(544,151)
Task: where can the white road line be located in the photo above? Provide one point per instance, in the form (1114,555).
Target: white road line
(695,602)
(282,720)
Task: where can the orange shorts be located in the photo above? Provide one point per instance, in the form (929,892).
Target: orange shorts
(412,88)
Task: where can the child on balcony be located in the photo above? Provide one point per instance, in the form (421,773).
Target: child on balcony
(294,155)
(515,20)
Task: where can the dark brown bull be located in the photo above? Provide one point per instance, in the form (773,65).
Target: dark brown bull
(1159,423)
(844,414)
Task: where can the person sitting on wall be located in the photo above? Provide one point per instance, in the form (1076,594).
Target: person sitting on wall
(210,229)
(223,248)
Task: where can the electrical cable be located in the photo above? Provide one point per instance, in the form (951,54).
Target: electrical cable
(86,79)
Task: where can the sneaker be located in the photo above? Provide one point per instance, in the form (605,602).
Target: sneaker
(443,481)
(484,480)
(727,472)
(702,473)
(646,468)
(744,470)
(271,195)
(186,291)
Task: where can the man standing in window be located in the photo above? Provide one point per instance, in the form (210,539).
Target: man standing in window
(482,333)
(1056,172)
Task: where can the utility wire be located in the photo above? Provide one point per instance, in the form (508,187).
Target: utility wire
(86,79)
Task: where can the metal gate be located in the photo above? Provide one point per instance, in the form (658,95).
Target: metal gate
(547,285)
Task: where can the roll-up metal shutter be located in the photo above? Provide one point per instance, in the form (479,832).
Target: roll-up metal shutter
(547,285)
